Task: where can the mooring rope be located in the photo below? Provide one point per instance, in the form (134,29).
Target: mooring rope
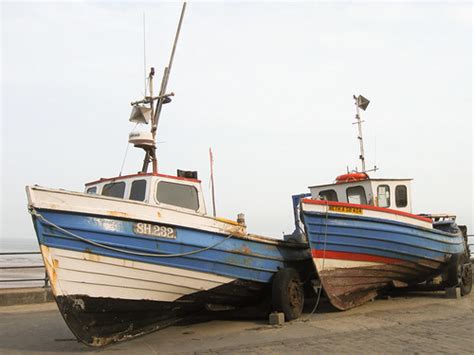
(324,259)
(33,212)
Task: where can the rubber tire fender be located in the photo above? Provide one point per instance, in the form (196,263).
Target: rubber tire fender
(288,293)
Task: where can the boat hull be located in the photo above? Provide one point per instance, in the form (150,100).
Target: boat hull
(105,299)
(112,283)
(359,253)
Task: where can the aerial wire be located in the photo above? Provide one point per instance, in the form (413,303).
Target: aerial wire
(144,52)
(126,152)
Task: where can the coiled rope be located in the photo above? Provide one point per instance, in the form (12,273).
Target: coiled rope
(38,215)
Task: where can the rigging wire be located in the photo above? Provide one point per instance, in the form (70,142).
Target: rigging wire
(144,53)
(126,152)
(100,245)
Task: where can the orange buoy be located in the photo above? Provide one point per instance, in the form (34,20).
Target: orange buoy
(351,177)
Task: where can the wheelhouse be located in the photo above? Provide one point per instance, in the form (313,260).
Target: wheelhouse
(175,192)
(354,188)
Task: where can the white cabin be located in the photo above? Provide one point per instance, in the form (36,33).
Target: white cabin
(175,192)
(359,188)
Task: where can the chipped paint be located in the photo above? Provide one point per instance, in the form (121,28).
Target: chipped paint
(91,256)
(108,224)
(117,213)
(50,269)
(79,304)
(246,250)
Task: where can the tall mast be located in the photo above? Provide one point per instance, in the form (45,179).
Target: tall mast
(166,74)
(162,98)
(360,103)
(164,84)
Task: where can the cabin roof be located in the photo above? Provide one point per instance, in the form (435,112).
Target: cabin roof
(358,181)
(123,177)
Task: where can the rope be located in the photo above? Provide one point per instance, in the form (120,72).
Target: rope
(324,259)
(41,217)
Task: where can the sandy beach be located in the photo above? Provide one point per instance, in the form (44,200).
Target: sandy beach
(411,323)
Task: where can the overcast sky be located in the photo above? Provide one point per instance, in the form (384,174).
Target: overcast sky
(267,85)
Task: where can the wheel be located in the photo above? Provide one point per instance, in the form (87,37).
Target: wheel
(288,293)
(454,271)
(466,279)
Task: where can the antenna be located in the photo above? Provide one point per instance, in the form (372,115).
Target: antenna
(144,52)
(375,154)
(211,161)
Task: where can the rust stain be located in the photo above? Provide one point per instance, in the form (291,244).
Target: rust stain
(55,262)
(91,257)
(236,230)
(53,278)
(117,214)
(158,214)
(49,269)
(246,250)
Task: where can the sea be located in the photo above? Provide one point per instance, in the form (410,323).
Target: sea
(11,266)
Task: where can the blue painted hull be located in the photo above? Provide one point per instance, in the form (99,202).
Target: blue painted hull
(369,254)
(248,264)
(238,258)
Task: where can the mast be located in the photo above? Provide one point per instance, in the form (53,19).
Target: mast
(162,97)
(150,151)
(167,71)
(361,103)
(143,114)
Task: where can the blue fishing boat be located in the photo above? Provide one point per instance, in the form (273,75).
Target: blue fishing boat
(133,254)
(365,239)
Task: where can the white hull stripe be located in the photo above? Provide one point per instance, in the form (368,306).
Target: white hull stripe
(308,207)
(79,273)
(331,264)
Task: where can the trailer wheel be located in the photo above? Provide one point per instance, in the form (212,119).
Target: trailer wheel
(466,279)
(453,275)
(288,293)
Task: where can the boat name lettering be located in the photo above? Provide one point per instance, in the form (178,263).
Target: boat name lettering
(154,230)
(346,209)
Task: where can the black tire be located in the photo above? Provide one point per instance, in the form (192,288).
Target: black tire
(460,274)
(466,279)
(288,293)
(453,272)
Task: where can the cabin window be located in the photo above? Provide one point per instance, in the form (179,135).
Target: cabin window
(356,195)
(328,195)
(401,196)
(92,190)
(383,196)
(177,195)
(114,189)
(137,191)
